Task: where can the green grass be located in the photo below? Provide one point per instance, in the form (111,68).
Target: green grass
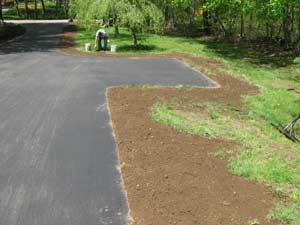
(264,155)
(148,43)
(253,222)
(50,12)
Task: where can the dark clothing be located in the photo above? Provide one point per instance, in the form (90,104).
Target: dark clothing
(101,34)
(99,45)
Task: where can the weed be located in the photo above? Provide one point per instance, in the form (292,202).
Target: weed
(254,222)
(219,154)
(142,86)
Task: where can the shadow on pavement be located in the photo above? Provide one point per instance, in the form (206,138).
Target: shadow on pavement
(39,37)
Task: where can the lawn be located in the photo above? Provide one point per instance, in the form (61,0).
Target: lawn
(50,8)
(264,155)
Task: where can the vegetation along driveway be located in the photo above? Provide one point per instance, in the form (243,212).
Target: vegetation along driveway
(58,161)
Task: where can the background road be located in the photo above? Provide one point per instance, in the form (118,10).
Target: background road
(58,161)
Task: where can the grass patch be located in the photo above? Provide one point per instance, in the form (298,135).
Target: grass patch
(263,154)
(148,43)
(219,154)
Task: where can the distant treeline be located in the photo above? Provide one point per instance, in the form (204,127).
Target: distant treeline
(277,21)
(32,9)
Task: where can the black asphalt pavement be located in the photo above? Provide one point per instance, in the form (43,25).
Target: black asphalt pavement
(58,160)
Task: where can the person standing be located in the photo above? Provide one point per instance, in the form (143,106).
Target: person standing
(101,35)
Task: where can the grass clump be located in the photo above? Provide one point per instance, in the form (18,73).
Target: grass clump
(253,222)
(219,154)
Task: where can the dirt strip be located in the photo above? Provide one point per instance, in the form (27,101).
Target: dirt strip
(170,177)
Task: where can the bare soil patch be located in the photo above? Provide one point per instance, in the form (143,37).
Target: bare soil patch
(171,177)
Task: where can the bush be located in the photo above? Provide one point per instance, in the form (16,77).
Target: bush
(296,61)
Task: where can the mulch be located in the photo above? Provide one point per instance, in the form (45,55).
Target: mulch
(170,177)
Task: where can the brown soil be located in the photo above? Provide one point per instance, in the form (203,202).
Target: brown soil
(170,177)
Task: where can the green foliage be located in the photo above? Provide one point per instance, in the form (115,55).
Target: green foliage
(51,12)
(136,15)
(296,61)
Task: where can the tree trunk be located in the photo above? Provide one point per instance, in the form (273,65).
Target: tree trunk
(297,45)
(56,8)
(223,28)
(250,26)
(17,7)
(206,23)
(35,9)
(1,15)
(242,33)
(117,32)
(135,42)
(166,14)
(65,5)
(192,12)
(43,7)
(287,26)
(267,29)
(26,9)
(242,28)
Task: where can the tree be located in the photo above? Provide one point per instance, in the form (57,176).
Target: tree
(1,16)
(17,7)
(43,7)
(35,9)
(136,15)
(139,16)
(26,9)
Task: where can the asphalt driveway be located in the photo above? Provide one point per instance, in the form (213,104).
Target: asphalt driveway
(58,160)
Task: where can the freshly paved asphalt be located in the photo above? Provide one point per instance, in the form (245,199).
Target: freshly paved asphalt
(58,161)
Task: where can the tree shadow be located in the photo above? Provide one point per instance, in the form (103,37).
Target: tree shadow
(38,38)
(250,52)
(140,48)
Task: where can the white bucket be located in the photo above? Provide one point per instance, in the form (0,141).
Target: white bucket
(87,47)
(113,48)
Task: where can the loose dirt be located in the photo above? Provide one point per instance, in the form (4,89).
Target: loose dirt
(171,177)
